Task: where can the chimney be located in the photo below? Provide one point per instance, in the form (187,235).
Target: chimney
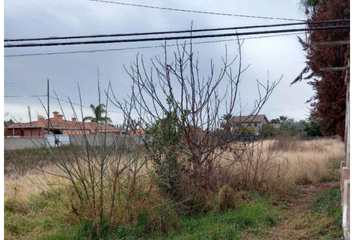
(56,116)
(41,121)
(60,118)
(74,120)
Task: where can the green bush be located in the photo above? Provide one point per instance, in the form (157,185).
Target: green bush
(268,131)
(164,148)
(243,131)
(313,129)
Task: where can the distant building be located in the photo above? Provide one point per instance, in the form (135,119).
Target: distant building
(58,125)
(255,121)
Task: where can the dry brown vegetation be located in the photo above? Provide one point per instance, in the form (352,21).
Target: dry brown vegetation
(304,159)
(265,166)
(282,163)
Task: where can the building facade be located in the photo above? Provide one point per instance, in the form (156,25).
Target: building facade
(59,125)
(255,121)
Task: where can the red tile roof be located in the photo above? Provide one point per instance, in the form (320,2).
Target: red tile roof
(250,118)
(65,125)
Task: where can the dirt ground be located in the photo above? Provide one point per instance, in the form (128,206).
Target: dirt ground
(297,221)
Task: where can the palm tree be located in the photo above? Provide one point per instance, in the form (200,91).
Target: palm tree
(275,121)
(226,122)
(309,6)
(7,123)
(283,118)
(227,117)
(98,112)
(311,3)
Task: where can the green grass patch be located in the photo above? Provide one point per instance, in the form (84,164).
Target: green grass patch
(328,178)
(252,217)
(327,202)
(328,207)
(45,219)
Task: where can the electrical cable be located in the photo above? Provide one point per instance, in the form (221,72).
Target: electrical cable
(174,38)
(196,11)
(147,47)
(175,32)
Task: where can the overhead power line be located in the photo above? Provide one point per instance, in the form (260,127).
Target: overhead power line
(196,11)
(174,38)
(175,32)
(137,48)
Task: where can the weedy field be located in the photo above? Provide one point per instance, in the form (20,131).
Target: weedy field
(280,189)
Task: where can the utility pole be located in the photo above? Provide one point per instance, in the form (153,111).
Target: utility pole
(48,110)
(345,165)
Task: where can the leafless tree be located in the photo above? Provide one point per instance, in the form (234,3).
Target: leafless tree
(97,171)
(196,98)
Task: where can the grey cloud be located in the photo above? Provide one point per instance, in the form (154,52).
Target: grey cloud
(30,18)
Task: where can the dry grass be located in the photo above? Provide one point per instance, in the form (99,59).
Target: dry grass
(33,183)
(134,202)
(275,168)
(280,164)
(304,161)
(314,159)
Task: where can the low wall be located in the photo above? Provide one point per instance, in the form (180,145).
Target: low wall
(127,141)
(345,200)
(345,166)
(12,143)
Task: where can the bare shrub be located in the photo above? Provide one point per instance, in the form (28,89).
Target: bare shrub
(197,102)
(257,165)
(103,179)
(262,166)
(284,143)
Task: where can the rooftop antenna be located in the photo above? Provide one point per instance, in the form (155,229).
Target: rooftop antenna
(29,116)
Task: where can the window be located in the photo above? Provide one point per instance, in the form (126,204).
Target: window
(255,124)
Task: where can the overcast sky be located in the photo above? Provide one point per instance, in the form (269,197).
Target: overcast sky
(26,76)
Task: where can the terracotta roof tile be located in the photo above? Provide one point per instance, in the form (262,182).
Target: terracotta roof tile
(250,118)
(65,125)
